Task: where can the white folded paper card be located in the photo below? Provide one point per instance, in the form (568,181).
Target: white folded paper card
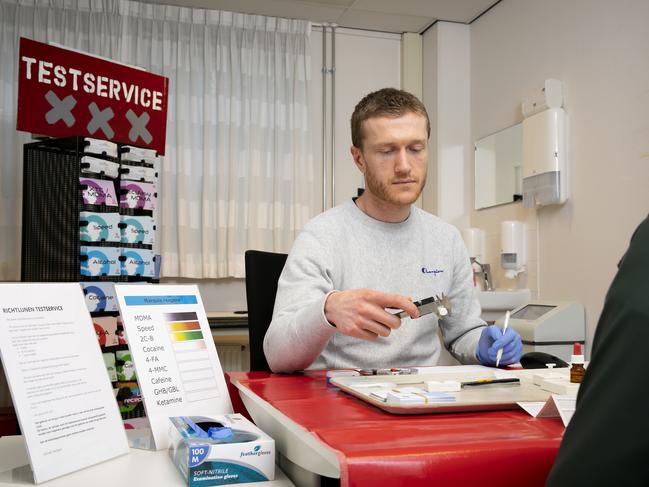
(173,350)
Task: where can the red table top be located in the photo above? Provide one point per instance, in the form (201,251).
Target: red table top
(499,448)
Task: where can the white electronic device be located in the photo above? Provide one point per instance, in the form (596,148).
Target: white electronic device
(550,326)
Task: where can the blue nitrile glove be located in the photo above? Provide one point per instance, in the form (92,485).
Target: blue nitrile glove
(492,339)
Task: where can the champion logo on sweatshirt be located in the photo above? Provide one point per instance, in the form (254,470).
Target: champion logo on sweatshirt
(426,270)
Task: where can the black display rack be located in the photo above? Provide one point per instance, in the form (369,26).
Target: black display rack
(50,231)
(52,202)
(51,244)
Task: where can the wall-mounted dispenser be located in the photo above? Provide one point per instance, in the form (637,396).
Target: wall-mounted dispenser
(475,244)
(513,247)
(544,159)
(544,147)
(474,241)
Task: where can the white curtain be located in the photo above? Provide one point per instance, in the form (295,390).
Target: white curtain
(238,171)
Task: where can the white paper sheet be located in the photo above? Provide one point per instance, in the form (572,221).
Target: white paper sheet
(57,377)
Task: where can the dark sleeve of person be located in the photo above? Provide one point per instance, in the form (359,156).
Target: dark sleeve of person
(607,440)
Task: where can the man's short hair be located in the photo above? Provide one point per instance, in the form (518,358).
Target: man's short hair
(387,102)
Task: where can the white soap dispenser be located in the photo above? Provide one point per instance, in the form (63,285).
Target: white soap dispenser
(475,244)
(474,241)
(513,248)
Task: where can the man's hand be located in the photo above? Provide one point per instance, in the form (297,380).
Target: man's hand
(361,312)
(492,339)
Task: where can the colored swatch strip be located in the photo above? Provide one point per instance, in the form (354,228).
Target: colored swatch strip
(181,316)
(182,331)
(183,325)
(193,361)
(183,336)
(189,346)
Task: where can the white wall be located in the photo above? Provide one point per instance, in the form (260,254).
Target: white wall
(429,97)
(447,99)
(600,51)
(365,61)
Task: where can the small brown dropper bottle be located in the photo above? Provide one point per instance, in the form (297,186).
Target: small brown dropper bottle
(577,364)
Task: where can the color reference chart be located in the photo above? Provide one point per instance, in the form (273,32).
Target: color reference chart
(175,359)
(190,348)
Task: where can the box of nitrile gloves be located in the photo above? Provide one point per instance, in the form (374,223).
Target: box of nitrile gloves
(223,450)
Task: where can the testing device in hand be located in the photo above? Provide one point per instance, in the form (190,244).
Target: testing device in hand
(440,305)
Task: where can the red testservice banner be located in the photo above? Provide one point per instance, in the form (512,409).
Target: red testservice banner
(63,93)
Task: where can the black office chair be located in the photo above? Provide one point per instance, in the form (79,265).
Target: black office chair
(262,273)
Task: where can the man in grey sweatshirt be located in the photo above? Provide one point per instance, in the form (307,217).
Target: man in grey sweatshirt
(352,263)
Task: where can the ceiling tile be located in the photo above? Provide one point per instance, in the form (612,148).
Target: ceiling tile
(338,3)
(274,8)
(381,15)
(451,10)
(363,19)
